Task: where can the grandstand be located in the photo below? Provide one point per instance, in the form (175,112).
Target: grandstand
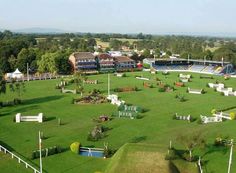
(193,65)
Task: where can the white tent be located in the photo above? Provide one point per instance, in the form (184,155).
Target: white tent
(16,74)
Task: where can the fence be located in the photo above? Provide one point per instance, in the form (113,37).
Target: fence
(20,118)
(6,151)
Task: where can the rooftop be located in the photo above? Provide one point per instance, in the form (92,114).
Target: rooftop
(104,56)
(83,55)
(123,59)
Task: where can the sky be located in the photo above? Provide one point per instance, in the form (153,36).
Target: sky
(121,16)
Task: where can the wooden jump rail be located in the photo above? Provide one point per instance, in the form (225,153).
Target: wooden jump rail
(27,165)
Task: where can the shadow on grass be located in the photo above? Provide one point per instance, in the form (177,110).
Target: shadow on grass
(4,114)
(212,149)
(173,168)
(49,119)
(41,100)
(138,139)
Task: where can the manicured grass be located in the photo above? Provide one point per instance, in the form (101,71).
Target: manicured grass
(156,126)
(145,158)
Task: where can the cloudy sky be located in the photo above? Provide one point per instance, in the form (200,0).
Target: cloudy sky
(121,16)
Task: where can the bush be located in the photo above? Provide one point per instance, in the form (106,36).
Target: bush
(213,111)
(96,133)
(232,116)
(74,147)
(147,66)
(17,101)
(161,90)
(186,156)
(172,155)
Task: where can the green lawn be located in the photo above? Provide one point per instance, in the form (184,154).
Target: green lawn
(156,126)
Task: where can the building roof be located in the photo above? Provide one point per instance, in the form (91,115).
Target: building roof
(83,55)
(123,59)
(104,56)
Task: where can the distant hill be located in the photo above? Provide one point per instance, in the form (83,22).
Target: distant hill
(40,30)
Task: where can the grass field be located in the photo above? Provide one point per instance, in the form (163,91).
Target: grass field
(155,128)
(106,44)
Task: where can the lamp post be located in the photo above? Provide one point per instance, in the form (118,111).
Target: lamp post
(40,153)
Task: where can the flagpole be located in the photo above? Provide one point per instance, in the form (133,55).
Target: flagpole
(28,71)
(108,85)
(40,153)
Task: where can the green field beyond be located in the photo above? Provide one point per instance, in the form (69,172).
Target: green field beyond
(148,137)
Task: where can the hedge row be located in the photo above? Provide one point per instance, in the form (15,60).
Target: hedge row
(46,152)
(16,101)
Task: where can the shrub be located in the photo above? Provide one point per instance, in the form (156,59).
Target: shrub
(74,147)
(96,133)
(232,115)
(186,156)
(213,111)
(171,155)
(46,152)
(17,101)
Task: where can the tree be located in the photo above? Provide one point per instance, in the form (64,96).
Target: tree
(79,80)
(2,85)
(26,56)
(191,142)
(12,62)
(62,63)
(18,87)
(47,63)
(115,44)
(140,36)
(4,65)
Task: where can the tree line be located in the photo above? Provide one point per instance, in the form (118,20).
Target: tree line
(49,53)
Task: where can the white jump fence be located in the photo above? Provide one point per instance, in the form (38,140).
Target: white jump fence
(125,114)
(207,120)
(90,81)
(27,165)
(222,115)
(226,91)
(114,100)
(131,108)
(119,74)
(183,117)
(219,85)
(187,76)
(195,91)
(68,91)
(142,78)
(38,118)
(184,80)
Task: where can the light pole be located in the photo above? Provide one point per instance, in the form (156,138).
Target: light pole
(40,153)
(231,155)
(108,84)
